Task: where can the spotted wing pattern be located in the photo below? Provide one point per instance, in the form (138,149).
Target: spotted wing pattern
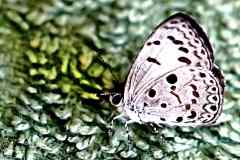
(176,46)
(187,96)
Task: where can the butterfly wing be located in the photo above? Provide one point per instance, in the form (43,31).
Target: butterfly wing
(177,42)
(187,96)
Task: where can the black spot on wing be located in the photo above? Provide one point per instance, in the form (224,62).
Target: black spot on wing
(179,119)
(202,74)
(193,115)
(173,88)
(171,38)
(194,87)
(198,64)
(213,107)
(162,119)
(183,49)
(190,44)
(194,101)
(153,60)
(187,106)
(174,22)
(172,78)
(203,52)
(196,41)
(215,98)
(157,42)
(163,105)
(195,93)
(177,42)
(149,43)
(207,116)
(151,93)
(196,54)
(184,60)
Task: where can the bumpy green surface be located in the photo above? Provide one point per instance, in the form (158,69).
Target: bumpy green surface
(50,69)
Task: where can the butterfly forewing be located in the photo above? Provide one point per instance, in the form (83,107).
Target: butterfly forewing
(173,79)
(178,41)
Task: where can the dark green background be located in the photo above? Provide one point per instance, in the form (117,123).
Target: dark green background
(55,54)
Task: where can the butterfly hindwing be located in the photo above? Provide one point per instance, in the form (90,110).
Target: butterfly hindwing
(187,96)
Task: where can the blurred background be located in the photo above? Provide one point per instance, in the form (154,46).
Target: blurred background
(56,54)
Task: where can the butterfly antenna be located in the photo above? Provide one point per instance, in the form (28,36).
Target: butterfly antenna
(100,51)
(106,65)
(104,95)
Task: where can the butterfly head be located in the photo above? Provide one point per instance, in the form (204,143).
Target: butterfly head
(116,99)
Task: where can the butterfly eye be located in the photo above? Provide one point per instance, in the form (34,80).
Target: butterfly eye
(116,99)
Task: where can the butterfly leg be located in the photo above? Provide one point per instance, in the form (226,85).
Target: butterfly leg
(110,131)
(128,135)
(156,130)
(155,127)
(161,137)
(115,118)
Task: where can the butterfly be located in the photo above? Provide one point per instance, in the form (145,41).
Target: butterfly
(173,80)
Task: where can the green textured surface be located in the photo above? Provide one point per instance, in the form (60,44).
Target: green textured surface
(50,69)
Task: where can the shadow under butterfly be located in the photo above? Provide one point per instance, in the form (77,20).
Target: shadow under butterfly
(173,80)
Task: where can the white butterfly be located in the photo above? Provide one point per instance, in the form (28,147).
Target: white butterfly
(173,80)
